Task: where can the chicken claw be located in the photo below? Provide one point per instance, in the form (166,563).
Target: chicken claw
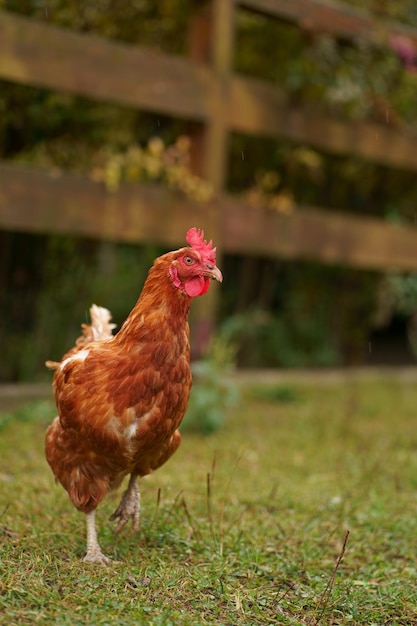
(96,556)
(129,507)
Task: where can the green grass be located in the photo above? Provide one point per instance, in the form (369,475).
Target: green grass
(243,527)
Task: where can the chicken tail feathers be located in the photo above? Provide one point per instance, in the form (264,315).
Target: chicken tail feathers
(52,365)
(100,329)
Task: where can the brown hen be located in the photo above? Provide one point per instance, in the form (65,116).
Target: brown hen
(121,398)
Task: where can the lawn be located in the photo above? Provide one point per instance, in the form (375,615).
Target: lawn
(301,510)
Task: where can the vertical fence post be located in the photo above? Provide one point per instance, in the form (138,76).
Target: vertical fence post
(211,40)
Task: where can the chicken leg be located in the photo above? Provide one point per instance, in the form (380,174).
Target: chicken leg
(129,506)
(94,553)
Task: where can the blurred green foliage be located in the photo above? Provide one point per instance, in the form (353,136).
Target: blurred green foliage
(47,295)
(276,313)
(161,23)
(319,322)
(402,10)
(37,411)
(283,393)
(214,390)
(156,163)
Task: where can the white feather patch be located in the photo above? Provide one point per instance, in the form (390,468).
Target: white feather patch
(131,430)
(79,356)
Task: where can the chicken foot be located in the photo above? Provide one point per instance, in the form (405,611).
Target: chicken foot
(129,507)
(94,553)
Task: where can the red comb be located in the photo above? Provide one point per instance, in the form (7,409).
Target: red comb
(195,238)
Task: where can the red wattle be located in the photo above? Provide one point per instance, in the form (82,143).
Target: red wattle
(196,286)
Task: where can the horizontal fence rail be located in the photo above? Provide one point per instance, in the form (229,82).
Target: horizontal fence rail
(73,204)
(36,53)
(332,18)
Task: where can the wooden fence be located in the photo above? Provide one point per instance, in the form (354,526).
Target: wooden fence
(204,89)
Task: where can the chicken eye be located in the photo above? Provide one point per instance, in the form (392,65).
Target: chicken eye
(188,260)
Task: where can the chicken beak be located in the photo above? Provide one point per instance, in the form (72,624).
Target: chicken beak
(214,272)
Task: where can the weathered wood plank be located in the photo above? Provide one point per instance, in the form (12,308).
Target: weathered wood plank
(215,21)
(44,55)
(310,233)
(36,201)
(222,42)
(211,40)
(258,108)
(334,18)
